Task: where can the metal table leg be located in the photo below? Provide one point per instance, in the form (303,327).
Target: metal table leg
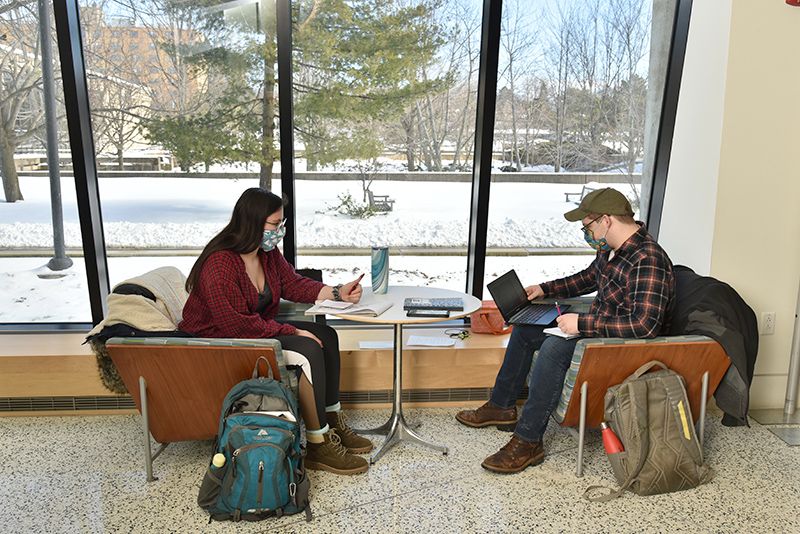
(396,429)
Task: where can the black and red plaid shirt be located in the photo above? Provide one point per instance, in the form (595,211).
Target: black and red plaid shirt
(635,290)
(224,302)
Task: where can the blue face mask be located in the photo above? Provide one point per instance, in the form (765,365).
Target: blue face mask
(596,244)
(272,238)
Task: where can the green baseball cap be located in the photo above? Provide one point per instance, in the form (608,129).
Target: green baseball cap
(606,201)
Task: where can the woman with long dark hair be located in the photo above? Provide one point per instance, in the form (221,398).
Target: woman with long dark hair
(235,287)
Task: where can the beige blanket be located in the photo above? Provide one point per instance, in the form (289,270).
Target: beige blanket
(167,284)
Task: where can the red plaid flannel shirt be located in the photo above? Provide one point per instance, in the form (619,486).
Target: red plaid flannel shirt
(635,290)
(223,303)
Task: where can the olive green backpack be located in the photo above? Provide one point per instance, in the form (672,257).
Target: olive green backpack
(650,414)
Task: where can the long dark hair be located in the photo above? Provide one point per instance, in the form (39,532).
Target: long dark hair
(244,232)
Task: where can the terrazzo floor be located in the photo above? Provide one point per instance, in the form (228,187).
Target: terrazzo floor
(86,475)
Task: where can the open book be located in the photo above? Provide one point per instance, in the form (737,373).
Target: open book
(369,309)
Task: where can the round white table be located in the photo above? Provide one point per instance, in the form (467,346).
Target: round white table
(396,429)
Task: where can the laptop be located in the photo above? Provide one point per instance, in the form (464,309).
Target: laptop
(513,303)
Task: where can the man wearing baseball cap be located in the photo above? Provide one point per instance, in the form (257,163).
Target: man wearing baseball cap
(635,296)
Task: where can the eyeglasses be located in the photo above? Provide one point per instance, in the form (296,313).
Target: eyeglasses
(585,229)
(460,334)
(279,225)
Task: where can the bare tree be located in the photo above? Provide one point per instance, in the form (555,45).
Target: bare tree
(21,106)
(516,41)
(630,22)
(559,57)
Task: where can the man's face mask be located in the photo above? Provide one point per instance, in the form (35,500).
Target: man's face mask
(596,244)
(272,237)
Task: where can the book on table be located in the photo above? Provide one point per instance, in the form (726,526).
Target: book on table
(437,303)
(369,309)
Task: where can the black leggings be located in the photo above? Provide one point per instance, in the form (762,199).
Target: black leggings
(325,361)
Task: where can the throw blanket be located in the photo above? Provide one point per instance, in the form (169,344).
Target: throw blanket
(168,286)
(161,316)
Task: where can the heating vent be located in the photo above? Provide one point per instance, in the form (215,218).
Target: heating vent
(67,404)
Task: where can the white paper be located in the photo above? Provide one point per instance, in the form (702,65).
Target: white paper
(431,341)
(556,331)
(328,306)
(376,344)
(335,304)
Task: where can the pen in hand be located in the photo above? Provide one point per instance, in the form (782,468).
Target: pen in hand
(356,284)
(559,309)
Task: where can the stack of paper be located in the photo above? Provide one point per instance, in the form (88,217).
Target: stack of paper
(328,306)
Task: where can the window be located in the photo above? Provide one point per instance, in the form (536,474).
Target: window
(570,116)
(395,170)
(44,281)
(138,133)
(384,138)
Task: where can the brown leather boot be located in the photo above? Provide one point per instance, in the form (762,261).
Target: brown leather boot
(331,456)
(353,442)
(515,456)
(489,415)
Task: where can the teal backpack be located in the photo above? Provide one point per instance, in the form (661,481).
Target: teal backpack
(257,468)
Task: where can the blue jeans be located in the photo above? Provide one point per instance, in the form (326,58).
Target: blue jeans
(555,355)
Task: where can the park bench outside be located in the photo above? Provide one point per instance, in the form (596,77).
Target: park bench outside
(380,202)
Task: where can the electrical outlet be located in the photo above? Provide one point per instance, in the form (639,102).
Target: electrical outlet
(767,323)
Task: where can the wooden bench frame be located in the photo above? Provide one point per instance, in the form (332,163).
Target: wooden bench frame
(380,202)
(179,388)
(584,191)
(701,363)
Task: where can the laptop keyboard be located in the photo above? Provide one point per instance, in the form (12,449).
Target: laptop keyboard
(532,313)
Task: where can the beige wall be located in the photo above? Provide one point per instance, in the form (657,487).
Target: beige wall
(733,200)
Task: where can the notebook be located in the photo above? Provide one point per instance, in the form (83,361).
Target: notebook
(513,303)
(454,304)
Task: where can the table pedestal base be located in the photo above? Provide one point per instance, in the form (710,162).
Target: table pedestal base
(396,429)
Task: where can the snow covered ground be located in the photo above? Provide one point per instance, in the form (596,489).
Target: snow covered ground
(142,213)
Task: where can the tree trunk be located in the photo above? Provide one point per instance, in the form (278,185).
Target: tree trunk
(9,172)
(267,128)
(407,122)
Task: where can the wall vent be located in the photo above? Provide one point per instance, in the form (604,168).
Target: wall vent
(66,404)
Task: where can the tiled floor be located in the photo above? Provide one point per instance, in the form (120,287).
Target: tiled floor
(86,475)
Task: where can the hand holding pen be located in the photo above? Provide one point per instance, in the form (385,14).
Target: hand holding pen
(567,323)
(351,292)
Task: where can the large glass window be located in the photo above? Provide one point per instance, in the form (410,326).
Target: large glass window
(384,99)
(185,115)
(41,265)
(180,132)
(570,118)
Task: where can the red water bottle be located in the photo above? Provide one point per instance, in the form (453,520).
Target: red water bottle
(610,440)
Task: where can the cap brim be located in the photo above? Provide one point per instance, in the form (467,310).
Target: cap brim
(577,214)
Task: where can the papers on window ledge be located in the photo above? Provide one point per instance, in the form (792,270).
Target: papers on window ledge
(412,341)
(431,341)
(556,331)
(369,309)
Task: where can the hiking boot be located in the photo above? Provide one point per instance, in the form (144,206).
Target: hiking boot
(515,456)
(331,456)
(489,415)
(352,442)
